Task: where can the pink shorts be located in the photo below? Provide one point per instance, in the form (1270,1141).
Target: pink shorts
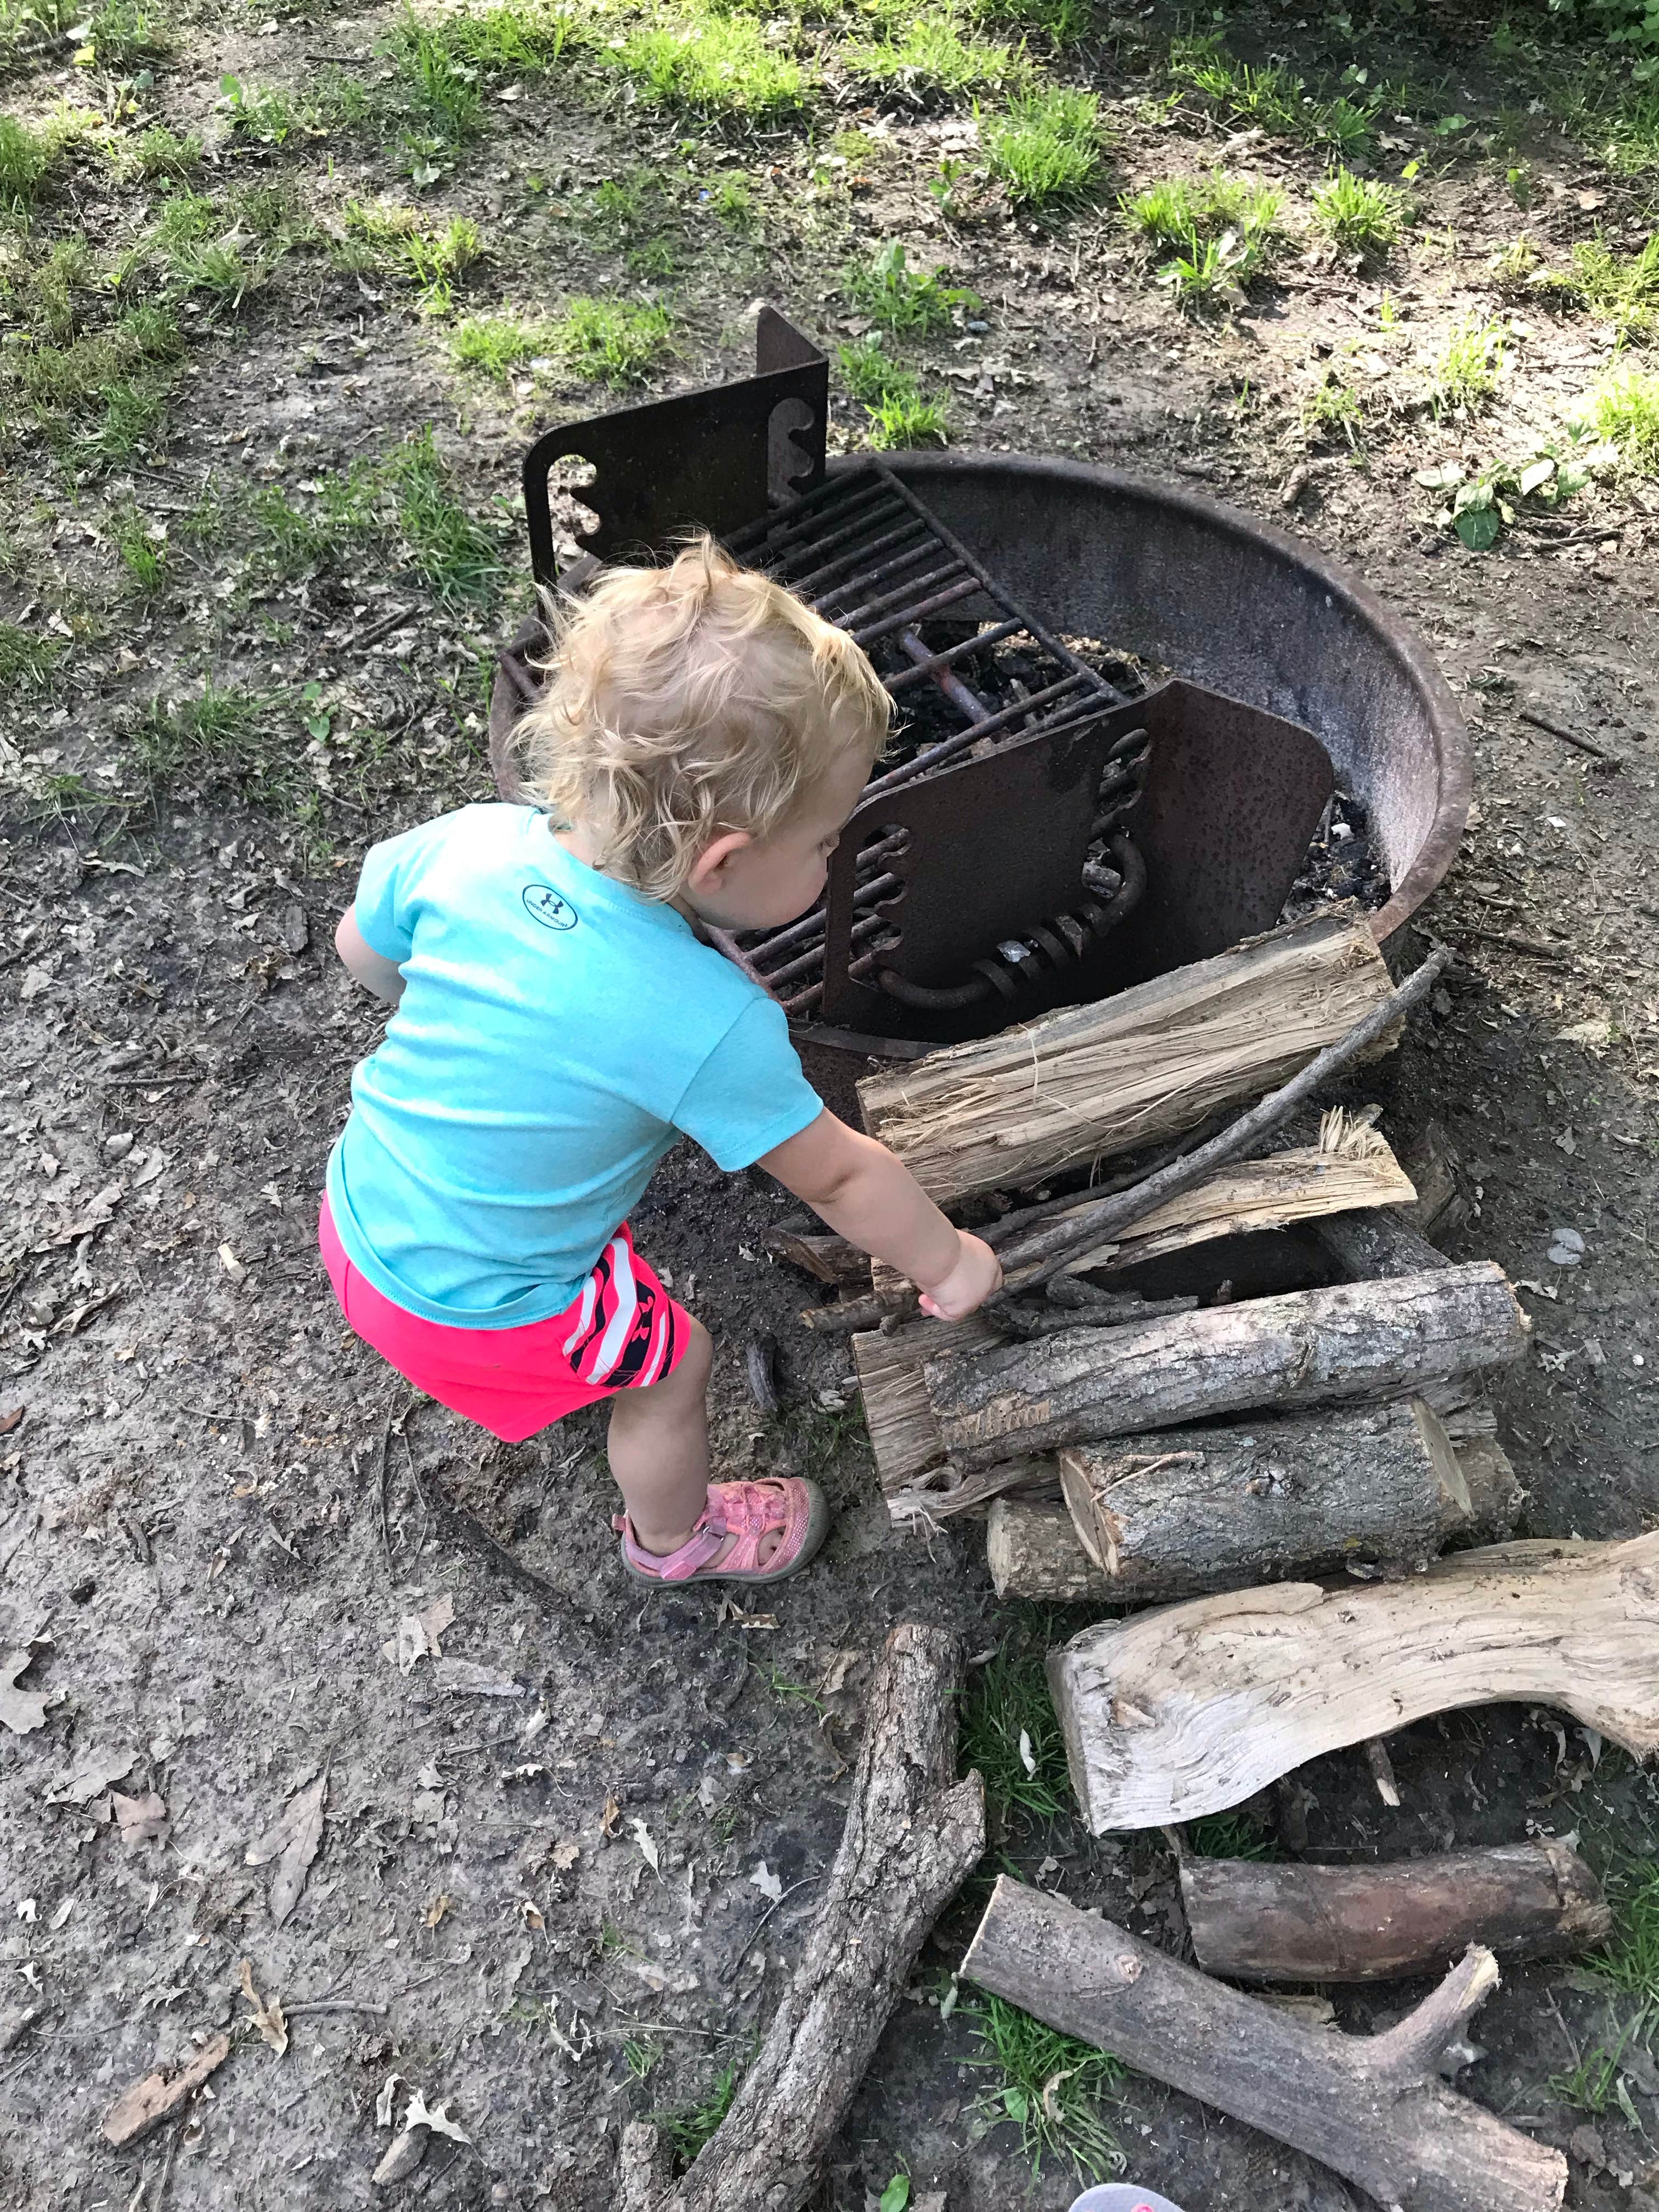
(621,1331)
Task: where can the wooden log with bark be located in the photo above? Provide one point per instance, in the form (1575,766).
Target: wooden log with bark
(1369,1246)
(1354,1341)
(1035,1550)
(1253,1921)
(1373,2108)
(1034,1547)
(1090,1082)
(1194,1707)
(913,1834)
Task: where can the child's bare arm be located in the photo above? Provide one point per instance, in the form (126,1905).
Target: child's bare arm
(364,965)
(871,1198)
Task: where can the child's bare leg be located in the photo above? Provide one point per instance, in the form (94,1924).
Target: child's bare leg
(659,1452)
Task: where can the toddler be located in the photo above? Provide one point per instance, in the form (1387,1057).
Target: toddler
(561,1020)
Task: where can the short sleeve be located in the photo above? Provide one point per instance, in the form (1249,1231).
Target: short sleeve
(750,1094)
(387,889)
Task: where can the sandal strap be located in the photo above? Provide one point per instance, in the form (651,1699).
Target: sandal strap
(708,1533)
(748,1510)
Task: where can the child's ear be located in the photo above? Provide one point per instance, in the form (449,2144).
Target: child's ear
(709,869)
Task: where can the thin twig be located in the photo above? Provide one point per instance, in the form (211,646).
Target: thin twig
(1567,736)
(334,2004)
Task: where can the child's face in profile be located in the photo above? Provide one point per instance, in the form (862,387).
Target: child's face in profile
(760,883)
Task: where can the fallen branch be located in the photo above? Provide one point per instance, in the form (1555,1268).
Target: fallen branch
(1251,1921)
(1194,1707)
(1373,2108)
(913,1834)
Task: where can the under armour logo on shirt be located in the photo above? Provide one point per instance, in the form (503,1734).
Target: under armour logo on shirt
(543,905)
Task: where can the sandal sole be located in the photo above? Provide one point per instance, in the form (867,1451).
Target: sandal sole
(817,1528)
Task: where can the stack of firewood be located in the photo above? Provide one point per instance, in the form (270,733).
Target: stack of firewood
(1288,1465)
(1083,1414)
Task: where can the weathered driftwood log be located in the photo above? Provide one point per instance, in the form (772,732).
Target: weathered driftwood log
(1090,1082)
(1352,1341)
(1194,1707)
(1184,1510)
(913,1834)
(1035,1552)
(1253,1921)
(1371,2107)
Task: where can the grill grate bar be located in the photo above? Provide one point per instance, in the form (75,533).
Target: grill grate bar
(960,740)
(863,547)
(867,578)
(980,640)
(905,597)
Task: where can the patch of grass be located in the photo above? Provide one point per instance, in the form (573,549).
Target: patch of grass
(901,299)
(1227,1836)
(438,80)
(26,661)
(690,2126)
(933,54)
(1622,290)
(126,35)
(610,340)
(641,2057)
(1009,1732)
(1222,232)
(1047,149)
(516,37)
(1271,99)
(1593,2086)
(701,62)
(342,511)
(227,736)
(1329,410)
(897,414)
(267,116)
(142,545)
(497,344)
(733,202)
(1464,375)
(25,158)
(54,292)
(1356,212)
(437,260)
(97,398)
(446,546)
(1050,2085)
(1063,22)
(1629,1961)
(158,152)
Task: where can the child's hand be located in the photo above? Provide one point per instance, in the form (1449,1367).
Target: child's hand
(977,1273)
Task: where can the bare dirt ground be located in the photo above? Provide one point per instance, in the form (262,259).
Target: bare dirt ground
(567,1857)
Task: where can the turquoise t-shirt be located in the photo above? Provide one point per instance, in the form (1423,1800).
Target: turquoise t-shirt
(557,1034)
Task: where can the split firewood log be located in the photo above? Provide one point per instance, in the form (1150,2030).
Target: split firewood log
(1373,2108)
(1254,1921)
(913,1834)
(1353,1341)
(1090,1082)
(1369,1245)
(1194,1707)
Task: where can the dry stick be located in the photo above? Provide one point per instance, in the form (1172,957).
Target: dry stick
(1567,736)
(1096,1224)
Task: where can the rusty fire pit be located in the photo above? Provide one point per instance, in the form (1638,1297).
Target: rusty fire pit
(1122,710)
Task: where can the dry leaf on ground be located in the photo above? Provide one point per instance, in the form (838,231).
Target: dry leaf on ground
(21,1710)
(436,1911)
(91,1778)
(267,2015)
(144,1819)
(464,1678)
(647,1848)
(293,1842)
(770,1884)
(149,2102)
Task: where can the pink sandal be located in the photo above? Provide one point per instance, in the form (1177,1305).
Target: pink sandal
(748,1511)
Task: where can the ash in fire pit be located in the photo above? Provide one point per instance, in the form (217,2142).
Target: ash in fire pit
(1046,827)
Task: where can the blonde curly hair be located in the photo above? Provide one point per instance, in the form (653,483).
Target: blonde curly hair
(686,701)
